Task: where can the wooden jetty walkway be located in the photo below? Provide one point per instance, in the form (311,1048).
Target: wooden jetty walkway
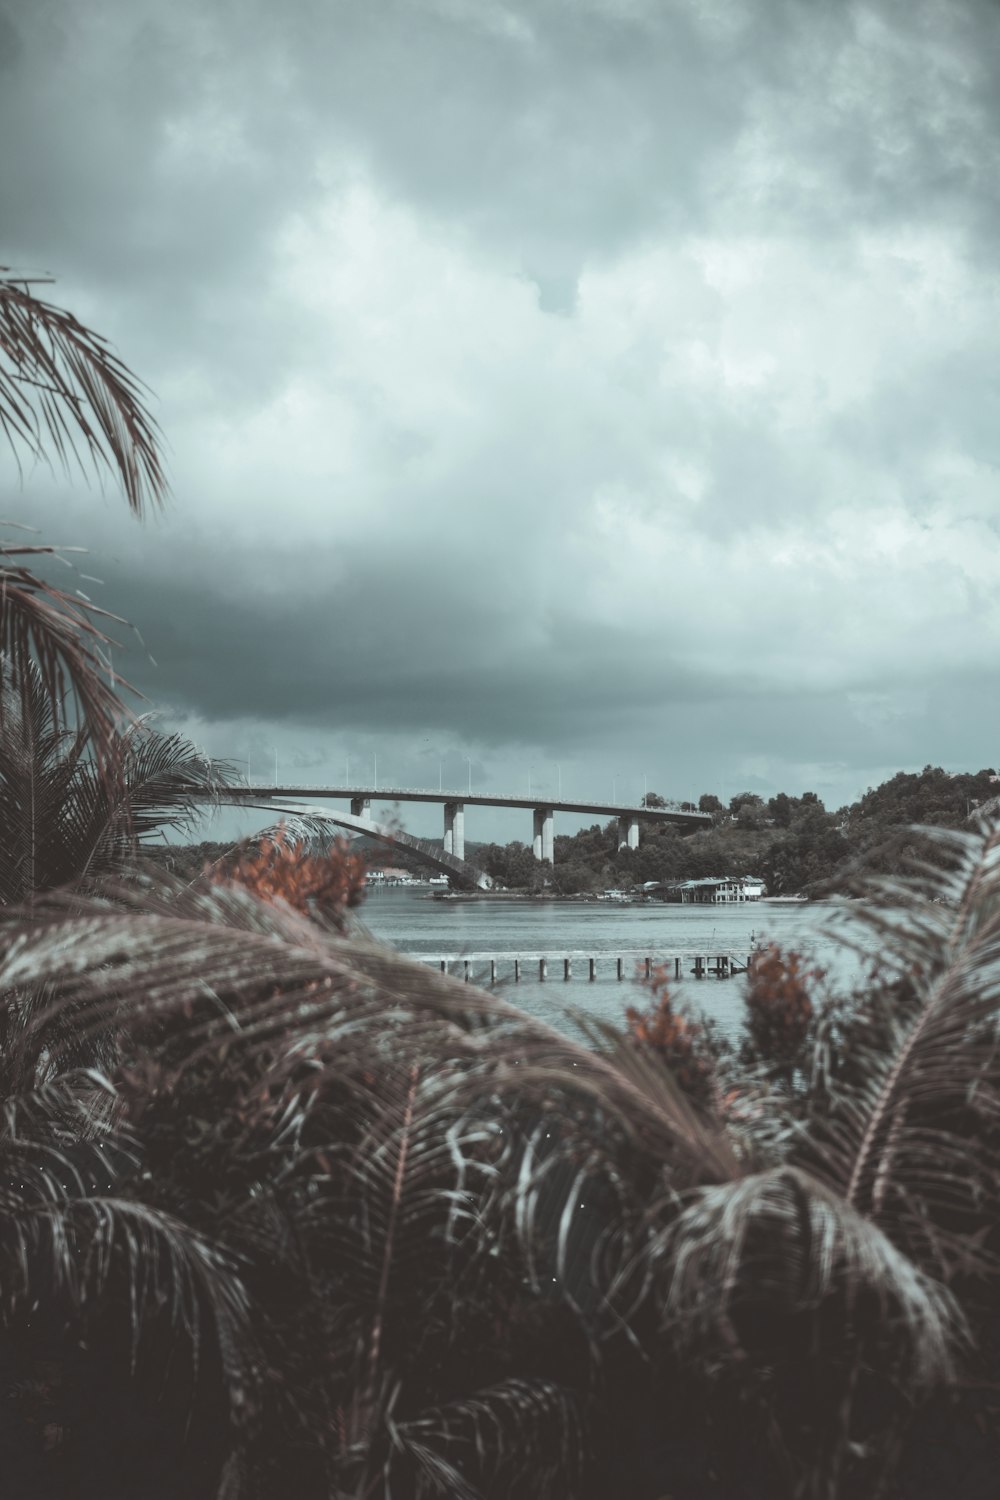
(483,967)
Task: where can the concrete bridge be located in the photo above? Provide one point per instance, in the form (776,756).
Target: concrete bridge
(542,809)
(459,870)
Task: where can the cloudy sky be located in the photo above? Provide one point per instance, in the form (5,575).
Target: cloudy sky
(608,385)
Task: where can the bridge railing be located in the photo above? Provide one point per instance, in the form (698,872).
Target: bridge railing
(669,805)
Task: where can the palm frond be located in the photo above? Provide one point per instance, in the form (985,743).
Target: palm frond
(910,1132)
(65,818)
(60,636)
(78,1108)
(158,783)
(61,382)
(80,1250)
(527,1434)
(37,764)
(745,1259)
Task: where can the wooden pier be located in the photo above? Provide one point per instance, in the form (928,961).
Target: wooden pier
(489,968)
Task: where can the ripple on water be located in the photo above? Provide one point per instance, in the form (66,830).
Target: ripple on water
(411,922)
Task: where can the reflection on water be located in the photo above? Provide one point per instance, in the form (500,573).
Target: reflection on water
(414,923)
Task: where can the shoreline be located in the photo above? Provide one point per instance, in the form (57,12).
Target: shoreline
(589,899)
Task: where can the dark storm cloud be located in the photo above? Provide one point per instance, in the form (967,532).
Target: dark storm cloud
(599,374)
(564,127)
(560,130)
(343,661)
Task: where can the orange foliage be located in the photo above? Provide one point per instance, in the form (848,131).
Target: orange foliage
(674,1037)
(323,886)
(779,1009)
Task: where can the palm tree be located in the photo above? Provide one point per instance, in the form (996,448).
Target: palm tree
(64,391)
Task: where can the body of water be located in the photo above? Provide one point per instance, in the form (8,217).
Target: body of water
(411,921)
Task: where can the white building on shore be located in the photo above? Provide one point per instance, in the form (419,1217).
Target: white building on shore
(716,889)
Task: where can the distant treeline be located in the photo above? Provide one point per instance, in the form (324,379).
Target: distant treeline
(794,843)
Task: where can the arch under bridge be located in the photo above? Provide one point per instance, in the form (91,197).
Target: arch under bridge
(460,871)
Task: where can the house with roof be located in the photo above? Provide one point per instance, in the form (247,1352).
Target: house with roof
(719,889)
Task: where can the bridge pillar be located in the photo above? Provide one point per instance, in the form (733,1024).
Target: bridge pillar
(628,832)
(361,807)
(543,840)
(454,829)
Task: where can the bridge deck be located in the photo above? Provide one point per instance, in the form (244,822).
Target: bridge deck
(672,813)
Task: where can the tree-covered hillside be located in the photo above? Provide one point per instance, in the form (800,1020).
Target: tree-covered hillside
(794,843)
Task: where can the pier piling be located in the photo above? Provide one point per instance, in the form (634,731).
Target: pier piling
(474,966)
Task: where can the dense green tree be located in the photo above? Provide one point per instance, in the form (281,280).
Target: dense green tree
(748,809)
(511,865)
(663,855)
(573,877)
(930,796)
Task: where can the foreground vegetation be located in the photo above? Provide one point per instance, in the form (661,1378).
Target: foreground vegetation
(284,1213)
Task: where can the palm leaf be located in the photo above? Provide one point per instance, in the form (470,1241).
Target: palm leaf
(156,783)
(911,1129)
(60,637)
(37,763)
(526,1433)
(62,387)
(74,1248)
(62,382)
(65,817)
(774,1245)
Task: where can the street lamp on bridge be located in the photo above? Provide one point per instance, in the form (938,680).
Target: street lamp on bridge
(469,759)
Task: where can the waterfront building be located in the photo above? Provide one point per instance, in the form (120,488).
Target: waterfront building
(390,876)
(715,889)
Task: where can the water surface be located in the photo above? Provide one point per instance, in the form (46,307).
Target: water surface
(414,923)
